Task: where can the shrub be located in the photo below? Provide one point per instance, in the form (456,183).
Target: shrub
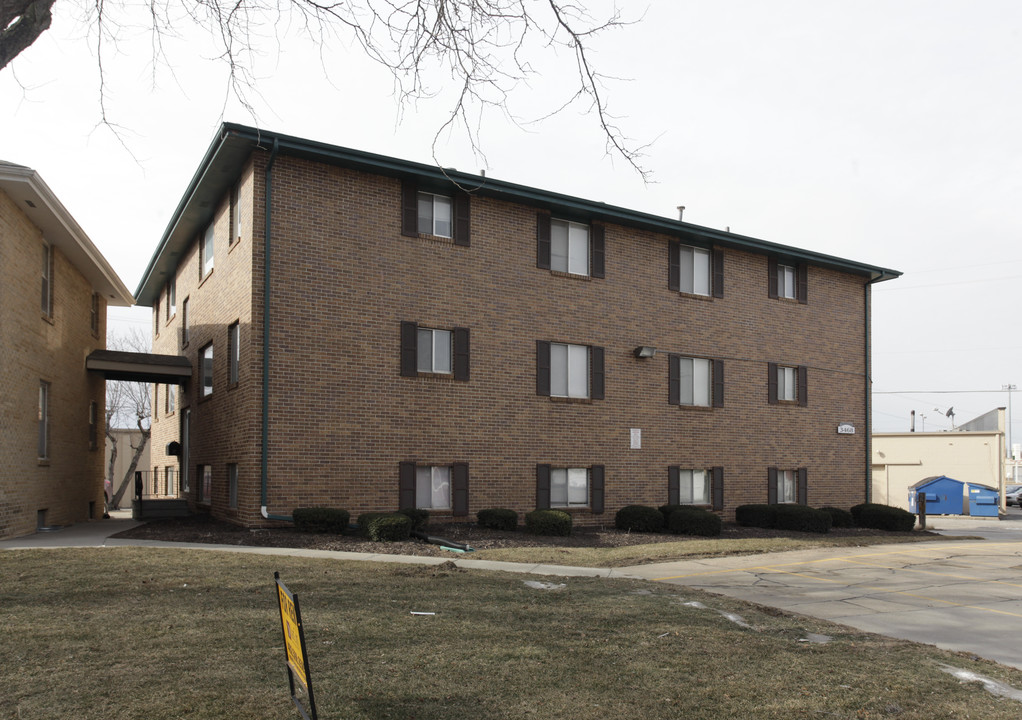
(385,527)
(548,522)
(756,515)
(321,520)
(419,517)
(801,518)
(666,511)
(839,518)
(685,520)
(883,517)
(639,518)
(498,518)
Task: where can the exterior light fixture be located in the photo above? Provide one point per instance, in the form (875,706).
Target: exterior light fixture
(645,351)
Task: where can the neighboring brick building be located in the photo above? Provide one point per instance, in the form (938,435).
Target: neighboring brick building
(54,290)
(458,342)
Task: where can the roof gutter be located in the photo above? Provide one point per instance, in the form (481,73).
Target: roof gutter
(264,460)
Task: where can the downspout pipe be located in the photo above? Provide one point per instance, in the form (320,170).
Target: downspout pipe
(267,216)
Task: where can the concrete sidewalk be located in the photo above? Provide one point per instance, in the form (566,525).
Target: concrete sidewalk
(961,595)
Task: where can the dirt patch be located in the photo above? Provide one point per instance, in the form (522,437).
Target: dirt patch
(202,529)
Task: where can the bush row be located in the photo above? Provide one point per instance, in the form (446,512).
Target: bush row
(678,519)
(806,519)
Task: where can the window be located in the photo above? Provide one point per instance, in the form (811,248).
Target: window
(570,371)
(44,416)
(171,298)
(444,214)
(696,271)
(93,425)
(787,384)
(687,486)
(696,382)
(207,370)
(205,484)
(186,448)
(47,281)
(570,247)
(787,486)
(435,215)
(233,353)
(434,351)
(232,485)
(169,472)
(235,214)
(570,487)
(206,264)
(94,314)
(431,351)
(788,280)
(434,487)
(170,399)
(184,322)
(156,401)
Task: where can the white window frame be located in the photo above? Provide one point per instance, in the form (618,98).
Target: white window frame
(694,487)
(233,353)
(170,399)
(185,330)
(44,420)
(787,383)
(695,376)
(569,487)
(206,360)
(434,351)
(569,370)
(695,270)
(208,249)
(431,212)
(46,287)
(433,487)
(235,214)
(569,247)
(786,280)
(787,486)
(168,474)
(171,298)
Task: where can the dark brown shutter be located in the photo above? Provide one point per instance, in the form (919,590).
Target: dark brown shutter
(803,395)
(596,374)
(462,219)
(772,277)
(409,349)
(542,367)
(543,240)
(718,383)
(802,283)
(772,486)
(674,265)
(409,208)
(461,353)
(673,485)
(459,489)
(406,485)
(718,272)
(597,251)
(596,484)
(717,487)
(803,487)
(674,379)
(542,487)
(772,383)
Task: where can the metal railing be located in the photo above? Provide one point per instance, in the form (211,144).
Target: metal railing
(159,484)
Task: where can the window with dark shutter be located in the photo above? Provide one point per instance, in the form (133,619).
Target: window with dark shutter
(406,485)
(542,487)
(462,219)
(543,240)
(596,488)
(596,373)
(409,208)
(409,349)
(674,379)
(461,354)
(772,383)
(718,383)
(459,489)
(803,388)
(803,486)
(674,485)
(674,265)
(597,251)
(771,486)
(772,277)
(802,283)
(542,368)
(717,487)
(718,273)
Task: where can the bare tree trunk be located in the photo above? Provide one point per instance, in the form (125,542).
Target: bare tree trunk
(21,22)
(129,475)
(112,439)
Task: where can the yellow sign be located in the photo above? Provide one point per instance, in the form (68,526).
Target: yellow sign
(292,635)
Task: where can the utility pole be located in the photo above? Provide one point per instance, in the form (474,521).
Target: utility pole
(1011,453)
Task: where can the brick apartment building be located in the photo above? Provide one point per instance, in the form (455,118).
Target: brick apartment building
(54,290)
(457,342)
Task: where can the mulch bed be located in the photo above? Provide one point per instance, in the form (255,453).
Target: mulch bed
(202,529)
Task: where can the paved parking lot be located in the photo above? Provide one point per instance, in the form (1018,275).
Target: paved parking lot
(964,595)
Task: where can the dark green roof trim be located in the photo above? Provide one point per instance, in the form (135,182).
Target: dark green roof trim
(233,145)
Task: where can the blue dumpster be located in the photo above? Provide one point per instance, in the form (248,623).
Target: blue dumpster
(944,495)
(983,501)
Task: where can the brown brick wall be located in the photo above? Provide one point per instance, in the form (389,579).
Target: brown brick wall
(52,349)
(342,418)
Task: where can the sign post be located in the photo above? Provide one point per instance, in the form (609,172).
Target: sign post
(294,649)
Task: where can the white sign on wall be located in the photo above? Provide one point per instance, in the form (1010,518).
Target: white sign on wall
(845,429)
(636,434)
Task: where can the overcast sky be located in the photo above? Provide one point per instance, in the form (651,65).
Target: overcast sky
(884,132)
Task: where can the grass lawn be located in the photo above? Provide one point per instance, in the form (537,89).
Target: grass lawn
(152,633)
